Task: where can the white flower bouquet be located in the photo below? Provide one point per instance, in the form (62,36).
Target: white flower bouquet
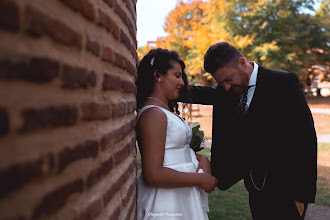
(197,138)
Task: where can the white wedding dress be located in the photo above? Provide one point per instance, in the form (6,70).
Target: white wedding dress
(189,203)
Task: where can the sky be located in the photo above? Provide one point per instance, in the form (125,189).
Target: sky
(151,16)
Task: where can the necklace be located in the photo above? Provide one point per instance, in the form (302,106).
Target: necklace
(158,101)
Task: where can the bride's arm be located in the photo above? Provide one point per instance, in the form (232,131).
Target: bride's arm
(152,127)
(204,163)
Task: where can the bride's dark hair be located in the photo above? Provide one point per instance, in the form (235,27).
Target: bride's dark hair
(160,60)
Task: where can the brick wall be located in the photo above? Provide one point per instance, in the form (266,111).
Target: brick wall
(67,101)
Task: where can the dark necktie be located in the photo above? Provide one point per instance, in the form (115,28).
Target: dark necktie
(242,104)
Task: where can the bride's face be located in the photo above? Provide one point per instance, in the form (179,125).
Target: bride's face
(172,82)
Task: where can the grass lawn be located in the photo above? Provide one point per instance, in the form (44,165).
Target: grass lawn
(233,204)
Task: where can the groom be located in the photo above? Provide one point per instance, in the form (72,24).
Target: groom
(263,132)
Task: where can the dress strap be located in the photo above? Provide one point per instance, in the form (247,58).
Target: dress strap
(147,107)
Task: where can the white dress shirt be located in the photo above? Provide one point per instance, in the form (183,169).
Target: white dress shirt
(252,84)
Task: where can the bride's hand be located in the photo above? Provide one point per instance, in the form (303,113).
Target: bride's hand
(204,164)
(207,182)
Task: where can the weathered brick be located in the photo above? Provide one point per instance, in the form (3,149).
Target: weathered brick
(128,87)
(99,172)
(125,39)
(107,22)
(9,15)
(122,14)
(74,4)
(128,193)
(107,54)
(48,117)
(109,2)
(4,122)
(132,69)
(56,199)
(121,155)
(76,77)
(17,175)
(110,138)
(132,29)
(36,69)
(116,213)
(87,9)
(111,82)
(130,9)
(38,24)
(93,47)
(131,107)
(120,60)
(94,111)
(87,149)
(114,187)
(125,129)
(131,209)
(133,123)
(118,109)
(91,211)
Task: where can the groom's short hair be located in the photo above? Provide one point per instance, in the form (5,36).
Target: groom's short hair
(219,55)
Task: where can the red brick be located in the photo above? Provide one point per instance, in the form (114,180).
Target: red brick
(93,47)
(133,123)
(91,211)
(131,107)
(76,77)
(94,111)
(17,175)
(49,117)
(132,69)
(87,9)
(109,2)
(125,129)
(128,194)
(122,14)
(107,22)
(108,195)
(87,149)
(121,155)
(125,39)
(4,122)
(111,82)
(132,29)
(74,4)
(107,54)
(99,172)
(9,15)
(38,24)
(131,9)
(116,213)
(36,69)
(110,139)
(131,209)
(120,60)
(56,199)
(128,87)
(118,109)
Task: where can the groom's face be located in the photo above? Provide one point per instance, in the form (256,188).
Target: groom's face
(232,78)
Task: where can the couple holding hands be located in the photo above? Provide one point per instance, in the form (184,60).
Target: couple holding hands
(263,132)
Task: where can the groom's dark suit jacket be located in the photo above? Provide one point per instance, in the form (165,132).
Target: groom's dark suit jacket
(277,137)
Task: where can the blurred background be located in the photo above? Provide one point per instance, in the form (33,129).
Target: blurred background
(280,34)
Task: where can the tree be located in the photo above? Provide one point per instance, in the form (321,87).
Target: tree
(284,37)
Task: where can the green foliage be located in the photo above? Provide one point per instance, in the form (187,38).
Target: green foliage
(285,34)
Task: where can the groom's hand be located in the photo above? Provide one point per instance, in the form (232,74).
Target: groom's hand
(204,164)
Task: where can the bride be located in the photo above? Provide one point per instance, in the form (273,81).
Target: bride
(172,183)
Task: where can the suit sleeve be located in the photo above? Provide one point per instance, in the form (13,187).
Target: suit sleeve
(205,95)
(302,143)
